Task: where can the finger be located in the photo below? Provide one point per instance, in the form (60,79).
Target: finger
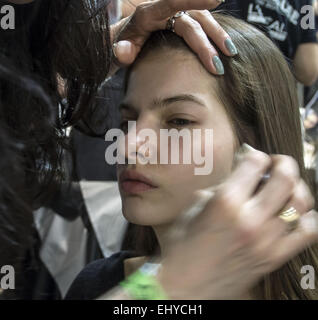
(267,237)
(248,173)
(228,198)
(256,235)
(125,52)
(214,31)
(153,15)
(278,190)
(193,34)
(296,241)
(302,199)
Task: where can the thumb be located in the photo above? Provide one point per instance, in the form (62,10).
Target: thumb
(125,52)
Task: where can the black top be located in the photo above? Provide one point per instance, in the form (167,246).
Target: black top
(30,25)
(280,19)
(99,277)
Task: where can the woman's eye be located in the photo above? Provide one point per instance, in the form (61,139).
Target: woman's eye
(179,122)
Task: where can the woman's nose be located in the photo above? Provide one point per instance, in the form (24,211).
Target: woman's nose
(141,142)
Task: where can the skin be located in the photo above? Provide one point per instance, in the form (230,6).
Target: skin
(155,78)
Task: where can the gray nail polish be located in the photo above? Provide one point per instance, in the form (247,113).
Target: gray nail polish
(218,65)
(231,46)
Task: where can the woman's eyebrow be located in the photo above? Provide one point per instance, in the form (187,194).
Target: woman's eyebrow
(165,102)
(178,98)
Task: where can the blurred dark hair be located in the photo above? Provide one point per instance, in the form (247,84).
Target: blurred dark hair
(53,40)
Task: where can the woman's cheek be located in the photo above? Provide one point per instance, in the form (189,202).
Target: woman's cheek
(223,156)
(218,157)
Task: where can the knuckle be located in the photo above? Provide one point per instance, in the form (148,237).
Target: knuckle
(228,203)
(195,26)
(247,230)
(304,204)
(141,16)
(140,11)
(206,14)
(287,175)
(291,165)
(300,203)
(303,197)
(288,178)
(219,30)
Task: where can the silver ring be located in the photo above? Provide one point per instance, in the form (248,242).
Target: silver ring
(172,20)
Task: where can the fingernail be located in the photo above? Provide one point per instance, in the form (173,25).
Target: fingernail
(218,65)
(231,46)
(122,48)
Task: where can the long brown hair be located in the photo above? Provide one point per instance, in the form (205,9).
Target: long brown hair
(259,94)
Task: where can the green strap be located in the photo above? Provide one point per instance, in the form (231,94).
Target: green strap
(141,286)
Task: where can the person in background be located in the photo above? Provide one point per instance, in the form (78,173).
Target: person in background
(310,91)
(281,20)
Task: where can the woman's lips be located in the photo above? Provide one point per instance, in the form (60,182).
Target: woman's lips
(131,186)
(133,182)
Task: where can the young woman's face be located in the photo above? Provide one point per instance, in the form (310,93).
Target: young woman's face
(171,90)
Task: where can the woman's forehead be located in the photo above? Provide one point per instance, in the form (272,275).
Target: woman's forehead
(169,71)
